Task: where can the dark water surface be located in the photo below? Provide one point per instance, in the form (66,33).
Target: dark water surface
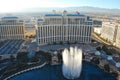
(48,72)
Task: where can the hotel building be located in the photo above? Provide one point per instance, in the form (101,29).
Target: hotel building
(97,26)
(117,41)
(56,28)
(109,31)
(11,28)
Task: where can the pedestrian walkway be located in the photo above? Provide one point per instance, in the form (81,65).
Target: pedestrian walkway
(85,47)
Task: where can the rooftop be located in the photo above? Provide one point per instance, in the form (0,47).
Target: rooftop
(75,15)
(40,20)
(53,15)
(21,21)
(10,17)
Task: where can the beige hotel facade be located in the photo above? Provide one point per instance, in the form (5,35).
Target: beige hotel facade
(64,28)
(11,28)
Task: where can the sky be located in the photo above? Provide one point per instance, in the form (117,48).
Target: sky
(18,5)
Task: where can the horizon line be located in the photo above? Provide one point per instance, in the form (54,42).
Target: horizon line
(22,10)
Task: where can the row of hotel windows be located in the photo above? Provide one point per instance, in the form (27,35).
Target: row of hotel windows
(11,30)
(60,19)
(11,23)
(64,21)
(45,31)
(21,36)
(69,23)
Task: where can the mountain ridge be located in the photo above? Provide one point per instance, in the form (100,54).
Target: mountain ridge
(73,9)
(81,9)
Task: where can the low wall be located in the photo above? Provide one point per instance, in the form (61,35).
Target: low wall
(36,67)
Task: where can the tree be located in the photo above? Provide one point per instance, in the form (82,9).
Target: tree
(104,48)
(83,56)
(34,59)
(59,57)
(114,74)
(27,36)
(107,67)
(108,52)
(22,57)
(21,65)
(30,36)
(92,40)
(0,57)
(95,60)
(12,58)
(47,56)
(98,48)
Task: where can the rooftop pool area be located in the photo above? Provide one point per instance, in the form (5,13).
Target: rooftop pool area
(49,72)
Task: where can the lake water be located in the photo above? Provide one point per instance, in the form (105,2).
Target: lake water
(48,72)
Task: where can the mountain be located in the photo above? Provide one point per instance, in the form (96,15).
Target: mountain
(74,9)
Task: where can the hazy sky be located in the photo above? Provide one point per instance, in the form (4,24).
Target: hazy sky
(17,5)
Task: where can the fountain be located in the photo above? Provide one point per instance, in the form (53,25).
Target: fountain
(72,63)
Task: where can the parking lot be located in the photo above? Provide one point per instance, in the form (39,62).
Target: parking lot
(10,46)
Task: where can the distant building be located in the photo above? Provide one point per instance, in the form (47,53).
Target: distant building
(30,29)
(97,25)
(108,31)
(111,32)
(11,28)
(97,30)
(64,28)
(117,40)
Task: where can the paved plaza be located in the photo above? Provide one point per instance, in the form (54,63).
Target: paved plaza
(85,47)
(10,46)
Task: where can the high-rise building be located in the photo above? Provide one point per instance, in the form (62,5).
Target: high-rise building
(111,33)
(108,31)
(11,28)
(97,26)
(64,28)
(117,40)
